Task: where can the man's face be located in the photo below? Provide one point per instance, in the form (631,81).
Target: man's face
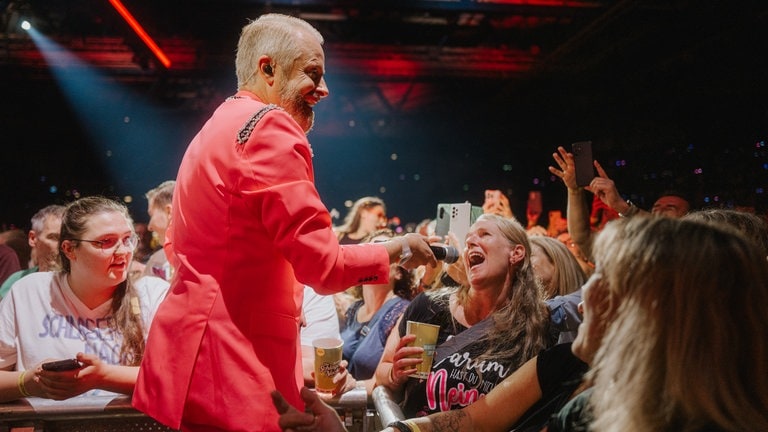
(302,84)
(46,243)
(670,206)
(159,217)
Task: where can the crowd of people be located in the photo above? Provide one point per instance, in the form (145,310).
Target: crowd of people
(617,320)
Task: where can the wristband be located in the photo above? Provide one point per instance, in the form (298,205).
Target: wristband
(405,253)
(411,425)
(401,426)
(20,385)
(630,211)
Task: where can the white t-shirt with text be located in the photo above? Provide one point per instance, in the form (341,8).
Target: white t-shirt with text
(41,318)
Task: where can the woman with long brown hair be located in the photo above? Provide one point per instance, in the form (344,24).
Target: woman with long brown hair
(89,311)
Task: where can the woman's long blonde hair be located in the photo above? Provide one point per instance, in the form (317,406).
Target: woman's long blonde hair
(524,316)
(689,344)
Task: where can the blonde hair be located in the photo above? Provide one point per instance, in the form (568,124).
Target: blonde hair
(688,347)
(568,276)
(524,317)
(273,35)
(161,195)
(751,225)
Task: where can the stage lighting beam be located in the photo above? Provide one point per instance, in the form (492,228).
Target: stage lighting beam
(123,11)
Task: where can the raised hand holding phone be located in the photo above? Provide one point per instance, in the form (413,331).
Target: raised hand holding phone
(564,160)
(583,162)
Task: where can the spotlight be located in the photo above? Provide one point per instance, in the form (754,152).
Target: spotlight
(26,25)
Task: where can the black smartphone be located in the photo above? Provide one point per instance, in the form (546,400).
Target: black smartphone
(582,158)
(62,365)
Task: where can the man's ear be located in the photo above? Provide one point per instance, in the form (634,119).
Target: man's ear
(266,69)
(167,209)
(31,238)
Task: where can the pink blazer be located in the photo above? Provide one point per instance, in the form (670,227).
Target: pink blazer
(248,230)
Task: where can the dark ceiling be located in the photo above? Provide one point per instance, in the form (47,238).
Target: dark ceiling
(485,89)
(400,41)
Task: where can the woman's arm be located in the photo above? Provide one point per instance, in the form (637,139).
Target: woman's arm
(395,364)
(117,378)
(94,374)
(577,213)
(497,411)
(15,384)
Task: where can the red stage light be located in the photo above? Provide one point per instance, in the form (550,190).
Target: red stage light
(118,5)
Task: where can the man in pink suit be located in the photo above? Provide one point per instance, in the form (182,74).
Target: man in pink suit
(248,229)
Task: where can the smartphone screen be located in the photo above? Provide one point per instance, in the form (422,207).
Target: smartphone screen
(582,157)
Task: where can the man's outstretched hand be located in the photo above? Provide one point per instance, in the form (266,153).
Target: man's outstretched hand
(321,417)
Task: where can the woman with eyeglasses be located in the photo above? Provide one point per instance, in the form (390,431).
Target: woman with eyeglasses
(88,311)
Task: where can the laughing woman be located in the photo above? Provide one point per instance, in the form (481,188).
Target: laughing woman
(487,330)
(89,311)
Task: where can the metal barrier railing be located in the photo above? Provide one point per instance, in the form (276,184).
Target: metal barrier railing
(356,410)
(386,407)
(107,414)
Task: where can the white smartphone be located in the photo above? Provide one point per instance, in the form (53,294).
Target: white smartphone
(456,218)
